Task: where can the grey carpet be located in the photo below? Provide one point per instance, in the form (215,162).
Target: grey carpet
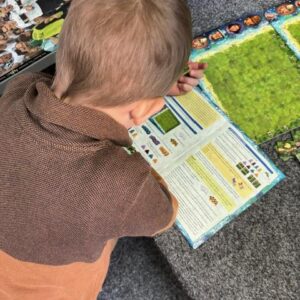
(209,14)
(139,271)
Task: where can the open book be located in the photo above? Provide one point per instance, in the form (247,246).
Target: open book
(211,167)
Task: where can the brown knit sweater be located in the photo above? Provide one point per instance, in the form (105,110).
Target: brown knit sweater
(67,186)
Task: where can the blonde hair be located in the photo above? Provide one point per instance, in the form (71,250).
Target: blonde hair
(115,52)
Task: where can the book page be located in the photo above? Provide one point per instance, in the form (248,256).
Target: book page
(221,175)
(215,172)
(169,134)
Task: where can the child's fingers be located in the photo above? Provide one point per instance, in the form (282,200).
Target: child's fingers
(196,70)
(184,87)
(189,80)
(197,73)
(197,66)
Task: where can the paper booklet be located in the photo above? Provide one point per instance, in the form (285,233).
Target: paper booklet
(213,169)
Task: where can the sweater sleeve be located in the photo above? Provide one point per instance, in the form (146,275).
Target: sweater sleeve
(150,212)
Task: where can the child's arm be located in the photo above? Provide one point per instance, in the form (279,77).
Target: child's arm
(152,211)
(187,82)
(173,201)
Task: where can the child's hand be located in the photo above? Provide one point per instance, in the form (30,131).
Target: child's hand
(187,82)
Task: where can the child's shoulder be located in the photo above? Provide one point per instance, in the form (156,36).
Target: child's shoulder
(123,165)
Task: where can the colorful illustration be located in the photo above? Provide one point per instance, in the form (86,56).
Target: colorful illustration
(253,75)
(286,9)
(165,120)
(28,29)
(289,149)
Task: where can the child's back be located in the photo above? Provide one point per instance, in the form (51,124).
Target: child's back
(67,186)
(66,190)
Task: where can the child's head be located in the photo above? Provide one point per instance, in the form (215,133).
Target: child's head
(112,53)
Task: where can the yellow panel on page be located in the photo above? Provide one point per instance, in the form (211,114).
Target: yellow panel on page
(208,179)
(199,109)
(230,174)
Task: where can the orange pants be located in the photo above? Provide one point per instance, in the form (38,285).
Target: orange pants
(76,281)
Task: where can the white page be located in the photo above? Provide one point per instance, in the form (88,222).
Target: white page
(214,171)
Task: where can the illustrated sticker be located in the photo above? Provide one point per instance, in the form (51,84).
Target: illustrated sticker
(165,121)
(164,151)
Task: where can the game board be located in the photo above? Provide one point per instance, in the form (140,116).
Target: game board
(254,73)
(28,30)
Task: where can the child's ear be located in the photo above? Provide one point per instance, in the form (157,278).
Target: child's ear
(144,109)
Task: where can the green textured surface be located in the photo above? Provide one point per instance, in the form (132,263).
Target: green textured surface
(166,120)
(294,29)
(258,84)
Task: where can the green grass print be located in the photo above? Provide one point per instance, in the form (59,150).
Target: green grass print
(258,84)
(294,30)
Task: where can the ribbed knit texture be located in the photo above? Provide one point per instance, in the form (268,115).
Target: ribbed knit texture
(66,183)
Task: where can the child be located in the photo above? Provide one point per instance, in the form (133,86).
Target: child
(68,189)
